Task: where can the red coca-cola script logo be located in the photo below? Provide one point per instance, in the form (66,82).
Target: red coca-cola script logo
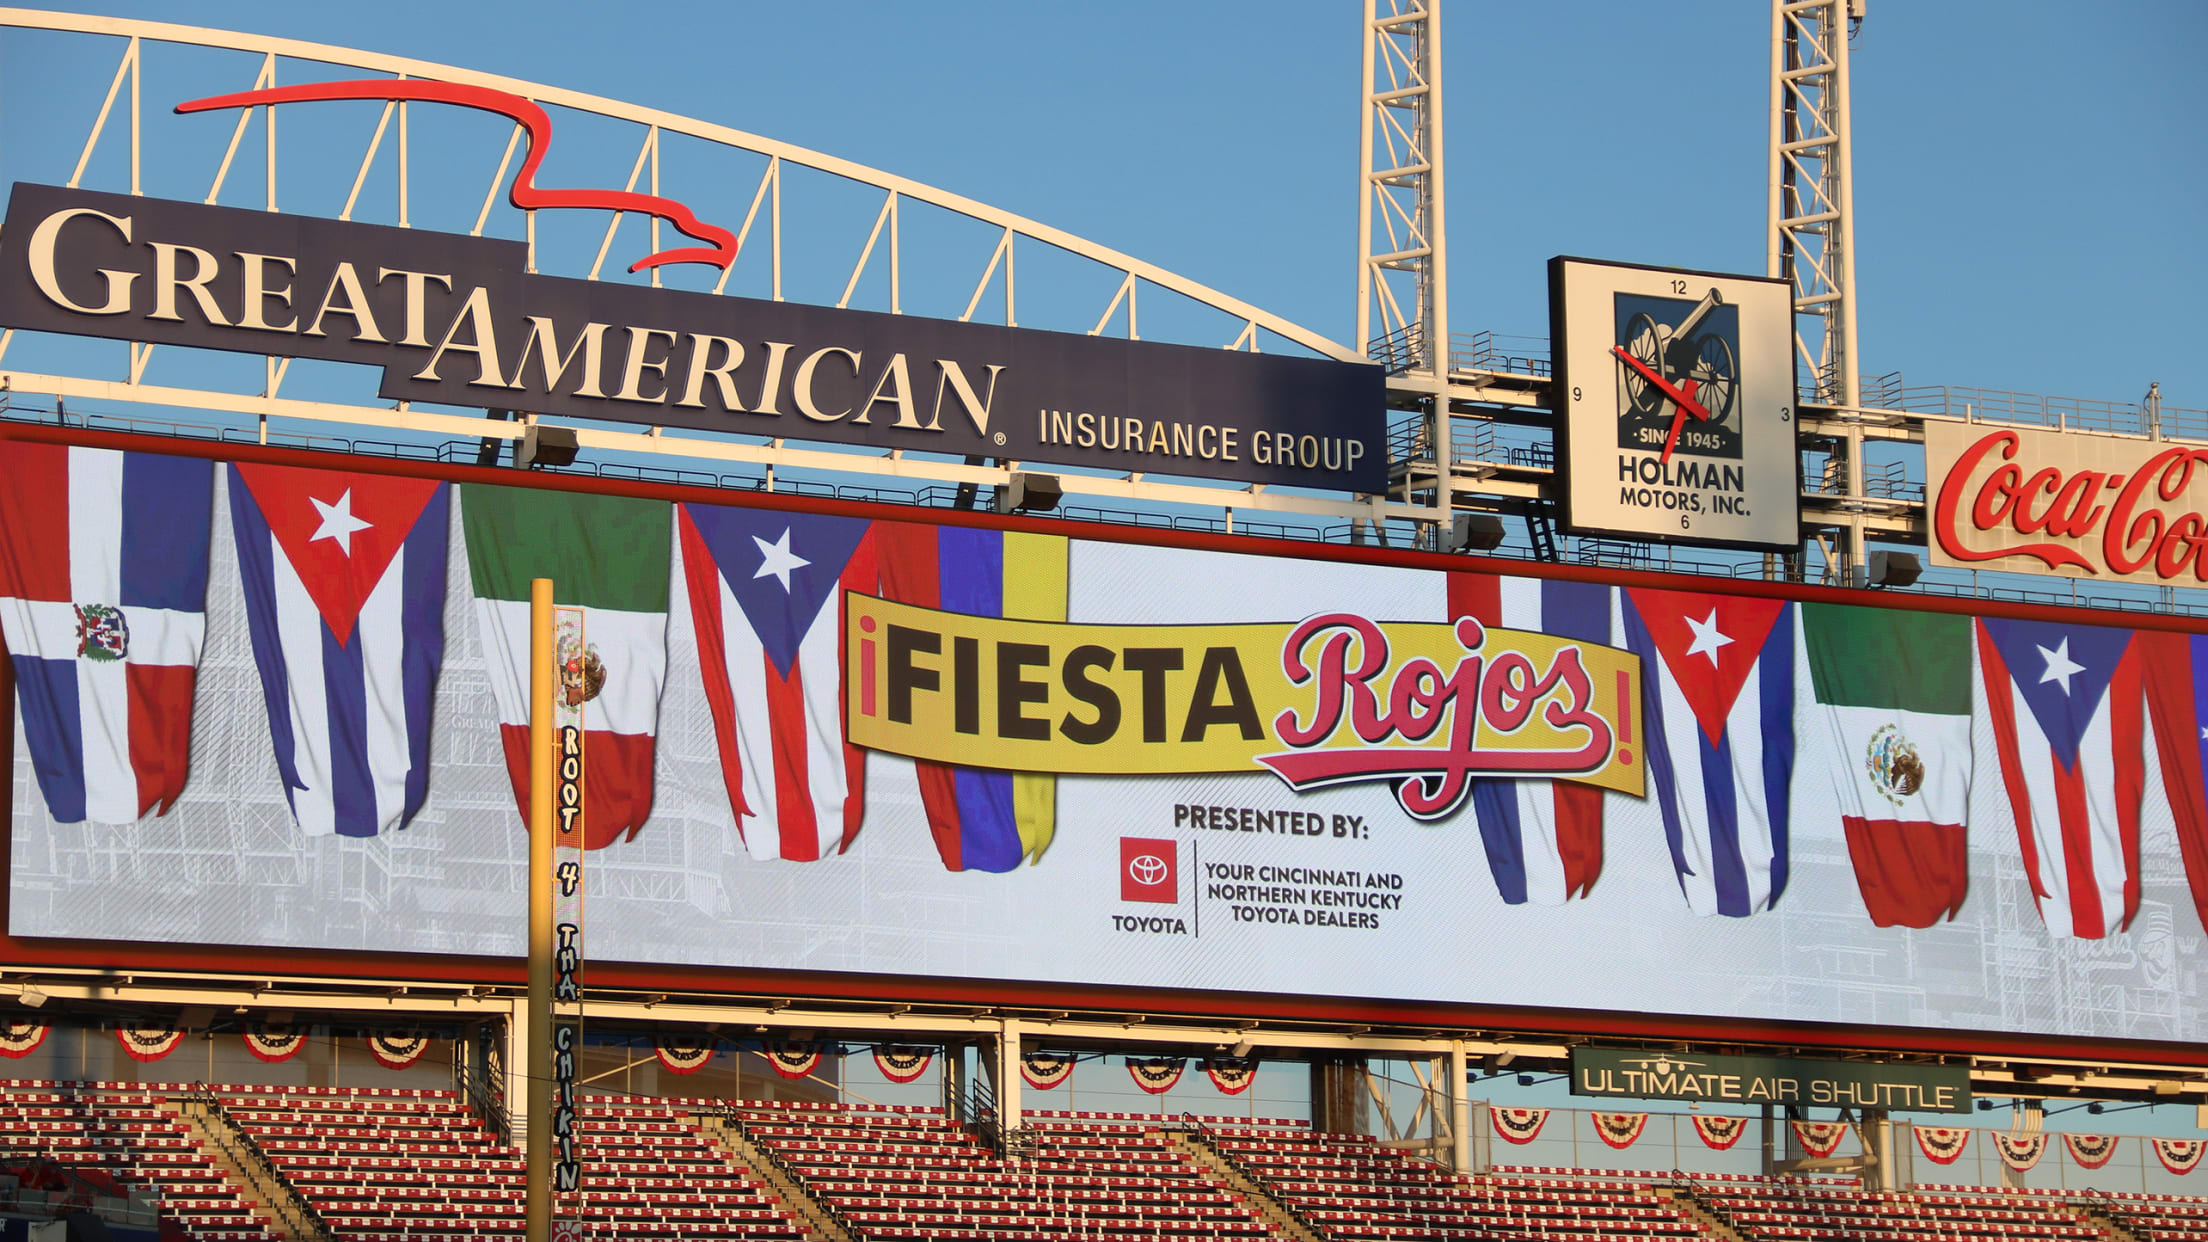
(2062,518)
(1420,701)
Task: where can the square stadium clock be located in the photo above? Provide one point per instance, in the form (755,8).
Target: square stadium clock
(1675,392)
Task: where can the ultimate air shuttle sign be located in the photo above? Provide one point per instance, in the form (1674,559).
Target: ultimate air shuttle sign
(460,320)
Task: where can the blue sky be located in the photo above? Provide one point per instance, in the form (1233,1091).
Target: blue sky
(2029,188)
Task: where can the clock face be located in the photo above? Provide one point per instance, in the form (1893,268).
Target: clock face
(1675,394)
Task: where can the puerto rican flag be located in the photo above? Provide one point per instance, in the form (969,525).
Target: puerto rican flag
(2065,702)
(344,578)
(103,602)
(1719,672)
(2177,704)
(1543,838)
(766,595)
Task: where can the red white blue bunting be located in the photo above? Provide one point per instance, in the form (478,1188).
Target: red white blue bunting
(2091,1151)
(1720,1133)
(793,1058)
(1232,1075)
(1619,1130)
(2179,1155)
(396,1050)
(1519,1125)
(148,1043)
(2020,1151)
(1941,1144)
(1044,1070)
(274,1043)
(1820,1138)
(683,1053)
(20,1039)
(901,1064)
(1156,1075)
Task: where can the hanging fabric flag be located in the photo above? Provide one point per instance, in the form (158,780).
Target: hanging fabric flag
(1720,1133)
(2064,703)
(103,606)
(2179,1156)
(793,1058)
(2177,704)
(2020,1151)
(686,1053)
(1619,1130)
(344,580)
(982,819)
(1156,1075)
(607,555)
(20,1039)
(1044,1070)
(1892,693)
(1232,1075)
(766,595)
(1820,1138)
(274,1043)
(2091,1151)
(1941,1144)
(1519,1125)
(1543,838)
(148,1043)
(901,1064)
(1720,676)
(396,1050)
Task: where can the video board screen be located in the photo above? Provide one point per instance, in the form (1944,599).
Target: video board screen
(269,703)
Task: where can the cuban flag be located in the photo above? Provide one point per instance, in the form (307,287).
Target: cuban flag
(344,578)
(103,602)
(2065,702)
(1719,672)
(766,595)
(2177,705)
(1543,838)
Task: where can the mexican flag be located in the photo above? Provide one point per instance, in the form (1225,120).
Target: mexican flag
(609,556)
(1891,694)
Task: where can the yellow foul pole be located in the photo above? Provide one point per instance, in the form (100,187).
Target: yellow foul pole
(536,1066)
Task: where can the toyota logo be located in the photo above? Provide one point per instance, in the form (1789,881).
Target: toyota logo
(1146,869)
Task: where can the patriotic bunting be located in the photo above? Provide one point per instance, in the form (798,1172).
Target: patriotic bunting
(2179,1156)
(1720,1133)
(2020,1151)
(1941,1144)
(1519,1125)
(1820,1138)
(397,1049)
(2091,1151)
(20,1039)
(1619,1129)
(1232,1075)
(272,1043)
(1155,1075)
(900,1064)
(1044,1070)
(684,1053)
(148,1043)
(793,1058)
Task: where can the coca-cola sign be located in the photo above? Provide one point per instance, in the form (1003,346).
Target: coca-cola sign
(2114,508)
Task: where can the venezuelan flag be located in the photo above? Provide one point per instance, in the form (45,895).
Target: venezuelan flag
(982,820)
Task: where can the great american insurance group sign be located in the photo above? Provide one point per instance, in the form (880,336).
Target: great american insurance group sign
(460,320)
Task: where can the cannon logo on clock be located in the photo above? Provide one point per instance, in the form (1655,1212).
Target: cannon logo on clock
(1679,372)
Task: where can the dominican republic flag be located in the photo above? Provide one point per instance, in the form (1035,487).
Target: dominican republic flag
(2065,705)
(982,819)
(1543,838)
(609,556)
(2177,705)
(766,594)
(344,578)
(103,602)
(1891,695)
(1719,672)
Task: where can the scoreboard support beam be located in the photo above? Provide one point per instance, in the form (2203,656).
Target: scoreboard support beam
(536,1069)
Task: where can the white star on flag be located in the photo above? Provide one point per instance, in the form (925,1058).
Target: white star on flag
(779,560)
(1706,638)
(2060,667)
(338,522)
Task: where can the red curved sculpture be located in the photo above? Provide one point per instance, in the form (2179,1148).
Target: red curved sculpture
(525,194)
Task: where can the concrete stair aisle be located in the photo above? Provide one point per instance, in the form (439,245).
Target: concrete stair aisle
(1700,1211)
(289,1217)
(2106,1220)
(812,1215)
(1277,1215)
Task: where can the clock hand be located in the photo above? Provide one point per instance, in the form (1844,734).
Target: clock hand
(1684,400)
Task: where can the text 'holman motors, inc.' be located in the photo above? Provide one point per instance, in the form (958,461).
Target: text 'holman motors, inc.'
(459,320)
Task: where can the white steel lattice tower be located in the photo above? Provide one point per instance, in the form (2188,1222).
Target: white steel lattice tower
(1812,217)
(1402,272)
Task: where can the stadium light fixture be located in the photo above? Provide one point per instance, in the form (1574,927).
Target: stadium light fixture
(1891,569)
(1475,532)
(31,997)
(1029,493)
(1242,1050)
(542,445)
